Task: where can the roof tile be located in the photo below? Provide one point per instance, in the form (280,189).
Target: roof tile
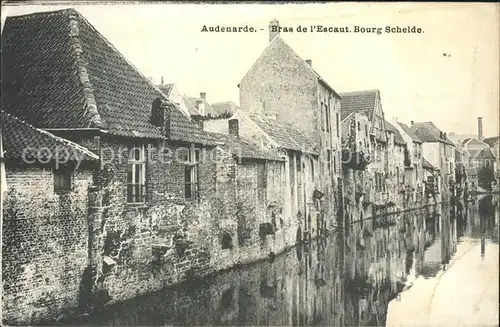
(21,139)
(39,46)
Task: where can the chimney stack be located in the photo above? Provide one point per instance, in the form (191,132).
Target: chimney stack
(233,126)
(203,95)
(274,29)
(160,116)
(412,122)
(309,62)
(480,128)
(200,106)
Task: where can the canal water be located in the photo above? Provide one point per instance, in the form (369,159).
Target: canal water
(353,278)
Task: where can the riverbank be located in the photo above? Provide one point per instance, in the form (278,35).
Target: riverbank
(464,293)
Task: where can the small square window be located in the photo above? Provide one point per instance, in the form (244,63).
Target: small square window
(63,180)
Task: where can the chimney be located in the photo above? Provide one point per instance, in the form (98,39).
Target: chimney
(309,62)
(162,80)
(480,128)
(412,122)
(200,106)
(233,126)
(203,95)
(160,115)
(274,29)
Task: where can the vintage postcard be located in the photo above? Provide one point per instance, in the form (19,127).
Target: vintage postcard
(250,164)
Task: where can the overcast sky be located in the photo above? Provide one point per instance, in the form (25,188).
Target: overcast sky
(417,82)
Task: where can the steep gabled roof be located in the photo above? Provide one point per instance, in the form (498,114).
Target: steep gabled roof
(166,88)
(245,149)
(278,38)
(481,154)
(428,132)
(362,102)
(410,133)
(225,107)
(285,134)
(60,72)
(192,106)
(491,140)
(473,142)
(427,165)
(21,139)
(398,139)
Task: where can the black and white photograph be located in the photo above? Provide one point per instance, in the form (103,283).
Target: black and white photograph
(250,163)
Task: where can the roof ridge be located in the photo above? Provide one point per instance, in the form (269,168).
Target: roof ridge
(109,44)
(54,137)
(360,91)
(88,91)
(64,11)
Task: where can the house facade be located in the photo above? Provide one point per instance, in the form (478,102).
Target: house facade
(438,149)
(414,175)
(367,194)
(281,83)
(46,186)
(397,159)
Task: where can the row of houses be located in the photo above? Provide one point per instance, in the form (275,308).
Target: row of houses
(117,187)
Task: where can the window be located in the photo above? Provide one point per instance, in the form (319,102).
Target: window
(337,121)
(327,120)
(359,127)
(329,160)
(261,176)
(397,175)
(191,181)
(487,162)
(63,180)
(136,173)
(322,116)
(311,163)
(366,130)
(334,162)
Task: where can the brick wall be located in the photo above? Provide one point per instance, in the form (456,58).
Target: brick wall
(45,240)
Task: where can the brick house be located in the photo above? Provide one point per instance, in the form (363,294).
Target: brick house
(439,150)
(281,83)
(371,184)
(155,212)
(44,227)
(306,206)
(414,175)
(397,160)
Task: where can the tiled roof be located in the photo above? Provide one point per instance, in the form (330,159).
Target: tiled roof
(362,102)
(398,139)
(426,164)
(410,133)
(491,140)
(245,149)
(428,132)
(192,107)
(20,138)
(60,72)
(473,142)
(225,107)
(285,134)
(166,88)
(481,154)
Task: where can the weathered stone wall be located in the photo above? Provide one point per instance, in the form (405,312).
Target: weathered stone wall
(45,239)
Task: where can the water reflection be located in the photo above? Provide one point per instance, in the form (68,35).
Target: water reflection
(343,281)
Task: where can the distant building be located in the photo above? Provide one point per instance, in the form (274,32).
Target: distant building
(438,149)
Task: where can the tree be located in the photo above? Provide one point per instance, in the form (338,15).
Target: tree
(485,176)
